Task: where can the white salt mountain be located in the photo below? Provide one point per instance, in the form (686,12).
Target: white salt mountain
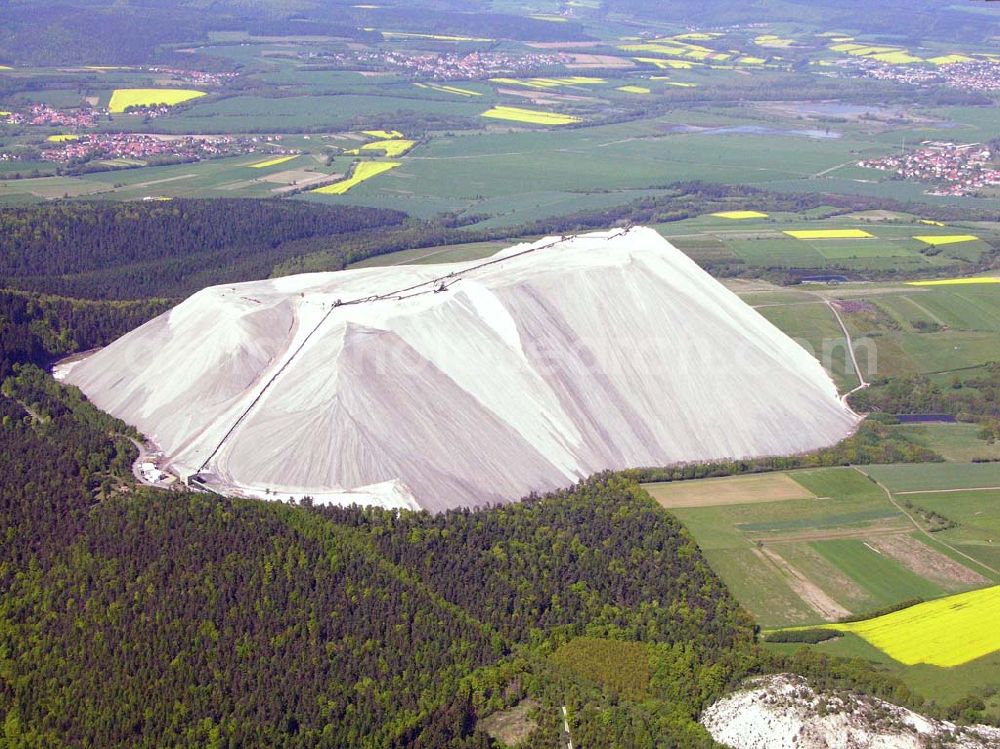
(468,383)
(783,711)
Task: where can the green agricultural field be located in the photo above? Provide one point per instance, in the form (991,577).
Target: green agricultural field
(936,476)
(846,551)
(885,579)
(487,172)
(897,329)
(49,188)
(761,243)
(228,177)
(426,255)
(249,114)
(777,252)
(813,325)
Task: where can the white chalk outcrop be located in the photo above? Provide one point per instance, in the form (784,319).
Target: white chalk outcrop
(784,712)
(468,383)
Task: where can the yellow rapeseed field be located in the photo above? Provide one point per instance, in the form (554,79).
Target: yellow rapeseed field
(634,89)
(956,281)
(574,80)
(447,89)
(940,239)
(949,59)
(931,222)
(947,632)
(383,134)
(896,57)
(532,116)
(891,55)
(362,171)
(696,36)
(62,138)
(772,40)
(738,215)
(665,64)
(392,147)
(829,234)
(123,98)
(273,162)
(673,48)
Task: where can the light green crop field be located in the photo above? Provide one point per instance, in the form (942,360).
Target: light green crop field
(261,114)
(885,579)
(960,327)
(846,551)
(936,476)
(977,515)
(813,325)
(454,253)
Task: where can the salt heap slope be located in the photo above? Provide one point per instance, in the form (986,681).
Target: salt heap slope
(469,383)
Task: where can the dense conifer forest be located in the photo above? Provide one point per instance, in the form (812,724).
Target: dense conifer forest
(164,248)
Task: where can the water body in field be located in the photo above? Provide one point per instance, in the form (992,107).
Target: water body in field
(842,109)
(756,130)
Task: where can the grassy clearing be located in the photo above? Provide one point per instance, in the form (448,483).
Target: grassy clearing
(977,514)
(123,98)
(814,326)
(619,665)
(730,490)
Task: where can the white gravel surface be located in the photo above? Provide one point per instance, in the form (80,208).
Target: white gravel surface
(784,712)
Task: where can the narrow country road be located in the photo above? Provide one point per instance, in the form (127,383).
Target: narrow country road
(924,531)
(569,738)
(850,349)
